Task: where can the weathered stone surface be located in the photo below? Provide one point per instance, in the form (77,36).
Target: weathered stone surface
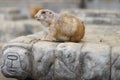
(95,62)
(67,64)
(115,63)
(103,34)
(56,61)
(17,60)
(2,77)
(43,67)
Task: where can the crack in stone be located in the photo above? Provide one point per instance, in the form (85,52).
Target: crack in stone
(110,76)
(81,62)
(55,51)
(66,66)
(115,60)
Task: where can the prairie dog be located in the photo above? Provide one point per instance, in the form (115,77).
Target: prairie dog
(60,27)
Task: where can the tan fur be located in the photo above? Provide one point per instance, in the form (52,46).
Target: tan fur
(60,27)
(33,10)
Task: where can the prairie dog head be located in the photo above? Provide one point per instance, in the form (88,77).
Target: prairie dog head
(46,17)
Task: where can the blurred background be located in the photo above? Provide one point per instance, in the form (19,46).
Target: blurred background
(57,5)
(17,18)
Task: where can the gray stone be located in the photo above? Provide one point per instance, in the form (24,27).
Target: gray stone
(67,61)
(115,64)
(2,77)
(43,67)
(17,60)
(102,34)
(56,61)
(67,64)
(95,62)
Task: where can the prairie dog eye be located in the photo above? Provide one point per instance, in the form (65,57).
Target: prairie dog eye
(43,12)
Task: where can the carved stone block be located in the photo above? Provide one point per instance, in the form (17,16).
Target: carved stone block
(17,61)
